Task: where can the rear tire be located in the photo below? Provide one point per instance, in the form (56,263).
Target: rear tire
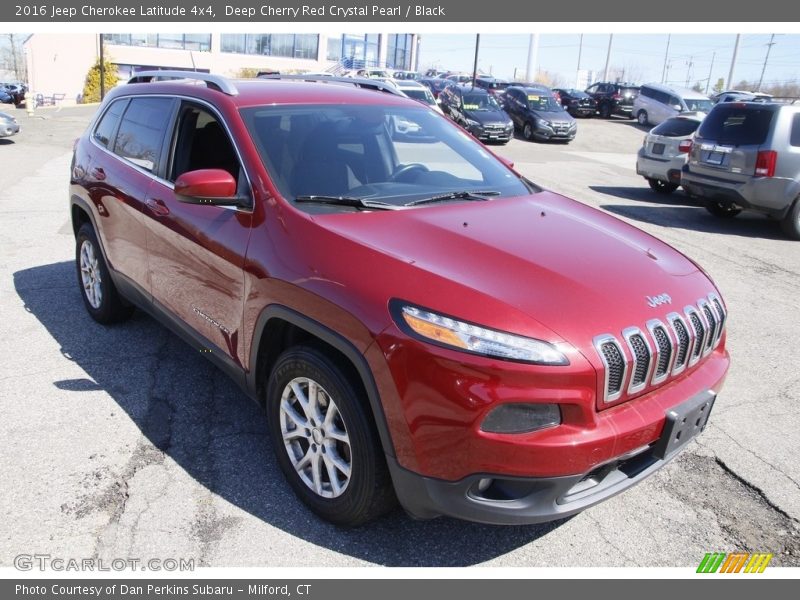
(100,296)
(324,440)
(723,211)
(662,187)
(791,222)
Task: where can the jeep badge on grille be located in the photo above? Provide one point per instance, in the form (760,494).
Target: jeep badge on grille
(654,301)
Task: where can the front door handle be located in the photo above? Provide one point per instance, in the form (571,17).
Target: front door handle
(98,173)
(157,207)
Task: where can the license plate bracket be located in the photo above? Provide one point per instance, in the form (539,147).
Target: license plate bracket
(683,423)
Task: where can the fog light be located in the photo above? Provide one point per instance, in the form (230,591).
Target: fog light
(521,418)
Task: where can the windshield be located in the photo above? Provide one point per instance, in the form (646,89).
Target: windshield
(480,102)
(544,102)
(390,154)
(702,105)
(421,95)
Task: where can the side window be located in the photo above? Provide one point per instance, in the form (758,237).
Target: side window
(141,132)
(201,143)
(795,137)
(646,92)
(675,101)
(108,123)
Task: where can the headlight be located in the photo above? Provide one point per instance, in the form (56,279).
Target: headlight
(459,335)
(510,125)
(471,123)
(544,122)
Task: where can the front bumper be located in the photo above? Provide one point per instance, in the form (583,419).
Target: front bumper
(491,134)
(548,132)
(503,500)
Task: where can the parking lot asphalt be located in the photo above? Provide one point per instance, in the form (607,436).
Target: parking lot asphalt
(125,442)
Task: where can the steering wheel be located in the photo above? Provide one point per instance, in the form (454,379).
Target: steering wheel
(404,170)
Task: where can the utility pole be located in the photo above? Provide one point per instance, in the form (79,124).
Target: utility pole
(733,61)
(608,56)
(689,70)
(533,57)
(580,51)
(475,66)
(666,57)
(708,81)
(766,58)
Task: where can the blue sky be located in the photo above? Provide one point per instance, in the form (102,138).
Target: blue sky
(642,56)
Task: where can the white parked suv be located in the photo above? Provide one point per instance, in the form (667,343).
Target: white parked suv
(657,102)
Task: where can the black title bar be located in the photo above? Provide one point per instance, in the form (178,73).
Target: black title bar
(441,11)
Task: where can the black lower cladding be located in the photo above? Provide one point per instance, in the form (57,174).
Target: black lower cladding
(506,500)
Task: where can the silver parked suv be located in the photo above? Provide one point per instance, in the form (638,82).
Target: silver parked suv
(746,155)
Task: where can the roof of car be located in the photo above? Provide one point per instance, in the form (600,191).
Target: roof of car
(257,92)
(409,84)
(678,91)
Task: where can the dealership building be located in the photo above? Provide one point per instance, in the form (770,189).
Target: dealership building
(58,63)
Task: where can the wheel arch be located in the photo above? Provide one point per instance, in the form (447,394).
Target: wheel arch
(279,327)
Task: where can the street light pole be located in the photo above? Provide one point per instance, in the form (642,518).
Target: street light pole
(102,70)
(475,65)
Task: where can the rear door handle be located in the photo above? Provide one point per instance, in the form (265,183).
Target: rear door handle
(157,207)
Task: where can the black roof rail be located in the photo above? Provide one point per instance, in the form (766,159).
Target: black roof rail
(359,82)
(216,82)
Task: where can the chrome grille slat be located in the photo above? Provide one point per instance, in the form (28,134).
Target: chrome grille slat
(642,359)
(615,365)
(683,336)
(711,322)
(721,316)
(663,351)
(699,329)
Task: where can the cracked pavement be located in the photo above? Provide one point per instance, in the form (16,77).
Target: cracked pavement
(124,442)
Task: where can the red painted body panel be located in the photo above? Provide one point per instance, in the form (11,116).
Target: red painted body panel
(541,266)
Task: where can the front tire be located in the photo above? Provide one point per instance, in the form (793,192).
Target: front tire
(641,118)
(100,296)
(324,441)
(527,131)
(721,210)
(605,111)
(662,187)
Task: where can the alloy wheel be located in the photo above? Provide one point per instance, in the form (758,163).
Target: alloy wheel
(90,275)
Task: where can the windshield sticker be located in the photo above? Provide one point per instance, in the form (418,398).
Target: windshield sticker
(533,98)
(472,106)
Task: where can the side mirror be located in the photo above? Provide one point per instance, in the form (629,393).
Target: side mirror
(207,186)
(677,107)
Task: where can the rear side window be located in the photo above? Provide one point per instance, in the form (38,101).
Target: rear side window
(141,132)
(677,128)
(795,140)
(108,123)
(737,125)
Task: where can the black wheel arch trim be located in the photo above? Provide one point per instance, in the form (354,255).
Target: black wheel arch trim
(337,341)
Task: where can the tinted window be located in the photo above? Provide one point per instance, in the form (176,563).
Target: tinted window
(647,92)
(677,128)
(142,130)
(795,140)
(737,125)
(108,123)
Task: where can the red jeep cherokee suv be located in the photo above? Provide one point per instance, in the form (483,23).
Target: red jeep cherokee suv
(420,322)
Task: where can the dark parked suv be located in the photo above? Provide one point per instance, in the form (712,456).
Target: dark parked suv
(420,322)
(477,111)
(746,155)
(614,98)
(537,113)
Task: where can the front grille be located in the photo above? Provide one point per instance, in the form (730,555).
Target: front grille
(664,346)
(653,356)
(494,127)
(615,366)
(561,127)
(684,342)
(699,333)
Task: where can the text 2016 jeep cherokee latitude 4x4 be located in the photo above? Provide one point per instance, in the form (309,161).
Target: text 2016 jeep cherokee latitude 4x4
(420,321)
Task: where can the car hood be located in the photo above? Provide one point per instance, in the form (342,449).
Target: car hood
(554,115)
(575,270)
(487,116)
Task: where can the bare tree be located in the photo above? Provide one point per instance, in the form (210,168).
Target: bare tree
(13,55)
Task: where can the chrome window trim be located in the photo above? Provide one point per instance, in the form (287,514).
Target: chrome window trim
(598,342)
(166,182)
(652,325)
(627,334)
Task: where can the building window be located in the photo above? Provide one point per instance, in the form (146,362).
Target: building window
(272,44)
(398,51)
(200,42)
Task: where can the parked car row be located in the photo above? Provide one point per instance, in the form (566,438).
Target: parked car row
(12,93)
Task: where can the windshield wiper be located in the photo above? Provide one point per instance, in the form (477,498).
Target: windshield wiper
(465,195)
(348,201)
